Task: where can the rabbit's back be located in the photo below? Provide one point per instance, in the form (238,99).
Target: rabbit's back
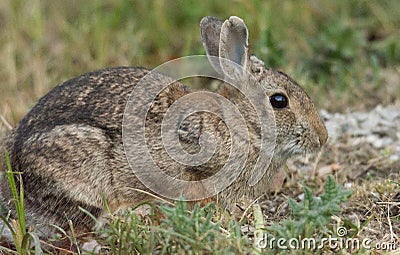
(95,99)
(69,149)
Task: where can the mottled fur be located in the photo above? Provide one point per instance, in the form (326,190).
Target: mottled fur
(70,152)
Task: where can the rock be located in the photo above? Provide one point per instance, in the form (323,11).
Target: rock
(379,127)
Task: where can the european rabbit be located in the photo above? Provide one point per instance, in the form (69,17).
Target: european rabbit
(70,149)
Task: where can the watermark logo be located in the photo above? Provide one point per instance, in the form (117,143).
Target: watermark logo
(140,127)
(339,242)
(341,231)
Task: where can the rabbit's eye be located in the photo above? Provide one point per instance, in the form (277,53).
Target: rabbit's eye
(279,101)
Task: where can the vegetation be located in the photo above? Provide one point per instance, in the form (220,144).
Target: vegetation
(178,229)
(22,235)
(312,215)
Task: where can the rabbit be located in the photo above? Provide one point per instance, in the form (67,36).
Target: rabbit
(70,152)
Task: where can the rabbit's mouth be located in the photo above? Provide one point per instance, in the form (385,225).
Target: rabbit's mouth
(301,145)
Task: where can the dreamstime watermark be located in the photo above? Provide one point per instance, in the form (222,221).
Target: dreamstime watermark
(334,243)
(147,94)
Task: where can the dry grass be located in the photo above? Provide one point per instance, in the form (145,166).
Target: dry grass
(373,211)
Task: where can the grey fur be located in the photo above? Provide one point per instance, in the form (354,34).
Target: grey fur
(69,146)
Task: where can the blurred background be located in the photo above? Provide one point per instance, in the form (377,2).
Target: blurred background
(346,54)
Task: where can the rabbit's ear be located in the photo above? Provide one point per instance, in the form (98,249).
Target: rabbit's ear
(210,29)
(233,45)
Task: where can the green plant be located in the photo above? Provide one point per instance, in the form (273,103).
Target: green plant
(193,229)
(270,50)
(175,230)
(21,236)
(335,49)
(128,232)
(311,216)
(387,50)
(397,183)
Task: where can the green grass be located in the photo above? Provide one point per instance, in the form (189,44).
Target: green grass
(208,230)
(175,230)
(21,233)
(311,217)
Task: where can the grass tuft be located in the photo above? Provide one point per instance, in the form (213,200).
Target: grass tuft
(22,237)
(311,216)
